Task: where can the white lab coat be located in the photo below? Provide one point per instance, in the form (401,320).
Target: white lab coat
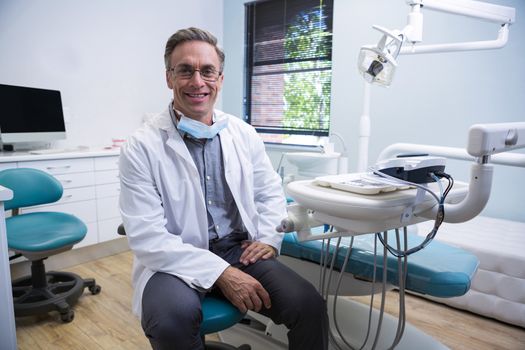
(162,204)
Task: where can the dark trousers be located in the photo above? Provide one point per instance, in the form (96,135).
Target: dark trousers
(171,310)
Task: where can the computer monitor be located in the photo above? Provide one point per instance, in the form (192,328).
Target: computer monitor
(30,115)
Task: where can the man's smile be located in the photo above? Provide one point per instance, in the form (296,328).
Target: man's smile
(197,96)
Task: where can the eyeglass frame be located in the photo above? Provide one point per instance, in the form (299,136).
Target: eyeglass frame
(193,70)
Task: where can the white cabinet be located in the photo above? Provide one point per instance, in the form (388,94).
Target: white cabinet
(91,189)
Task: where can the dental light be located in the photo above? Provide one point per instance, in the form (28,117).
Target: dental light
(377,63)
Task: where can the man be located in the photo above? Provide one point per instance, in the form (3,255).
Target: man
(200,202)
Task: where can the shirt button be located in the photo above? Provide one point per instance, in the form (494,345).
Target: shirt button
(208,177)
(216,227)
(209,202)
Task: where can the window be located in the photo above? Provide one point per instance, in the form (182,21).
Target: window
(289,69)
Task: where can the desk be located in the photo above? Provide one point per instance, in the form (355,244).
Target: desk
(7,320)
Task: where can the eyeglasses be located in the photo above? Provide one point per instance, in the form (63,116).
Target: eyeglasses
(209,74)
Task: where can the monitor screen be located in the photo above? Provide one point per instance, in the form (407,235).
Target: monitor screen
(30,114)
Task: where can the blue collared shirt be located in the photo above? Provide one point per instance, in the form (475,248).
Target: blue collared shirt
(223,214)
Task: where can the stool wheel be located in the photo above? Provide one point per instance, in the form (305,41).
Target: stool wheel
(67,316)
(95,289)
(66,313)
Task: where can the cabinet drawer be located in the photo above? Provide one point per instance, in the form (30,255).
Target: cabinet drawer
(60,166)
(106,177)
(76,180)
(106,163)
(108,190)
(84,210)
(107,208)
(107,229)
(4,166)
(77,194)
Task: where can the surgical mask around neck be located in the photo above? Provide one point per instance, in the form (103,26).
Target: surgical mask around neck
(200,130)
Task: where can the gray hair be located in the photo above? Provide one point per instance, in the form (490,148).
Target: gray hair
(191,34)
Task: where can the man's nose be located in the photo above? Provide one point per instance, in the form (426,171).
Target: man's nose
(196,78)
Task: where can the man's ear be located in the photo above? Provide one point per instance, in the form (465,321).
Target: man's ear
(168,80)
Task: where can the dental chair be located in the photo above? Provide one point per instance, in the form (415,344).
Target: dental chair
(38,235)
(217,314)
(439,270)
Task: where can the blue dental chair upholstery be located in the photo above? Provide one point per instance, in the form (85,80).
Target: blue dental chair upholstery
(218,314)
(439,270)
(37,236)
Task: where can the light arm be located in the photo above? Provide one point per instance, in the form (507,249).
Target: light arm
(413,32)
(470,8)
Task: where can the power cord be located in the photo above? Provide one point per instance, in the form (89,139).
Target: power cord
(440,216)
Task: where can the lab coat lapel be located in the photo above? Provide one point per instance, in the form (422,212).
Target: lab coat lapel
(233,158)
(227,149)
(175,141)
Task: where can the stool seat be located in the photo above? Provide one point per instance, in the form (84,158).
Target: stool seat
(43,231)
(218,314)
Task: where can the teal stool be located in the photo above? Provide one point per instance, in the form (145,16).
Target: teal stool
(217,314)
(37,236)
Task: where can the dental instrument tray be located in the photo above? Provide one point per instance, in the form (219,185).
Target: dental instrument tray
(362,183)
(361,213)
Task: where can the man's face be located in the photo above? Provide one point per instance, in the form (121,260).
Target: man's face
(194,96)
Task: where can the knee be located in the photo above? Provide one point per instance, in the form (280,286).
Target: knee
(308,305)
(313,306)
(176,326)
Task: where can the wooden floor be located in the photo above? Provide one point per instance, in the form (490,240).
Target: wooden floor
(104,321)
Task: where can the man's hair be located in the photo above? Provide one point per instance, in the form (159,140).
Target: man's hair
(191,34)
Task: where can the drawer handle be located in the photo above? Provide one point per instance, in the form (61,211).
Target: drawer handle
(69,196)
(58,167)
(66,181)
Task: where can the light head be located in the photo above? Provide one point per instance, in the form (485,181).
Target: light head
(378,63)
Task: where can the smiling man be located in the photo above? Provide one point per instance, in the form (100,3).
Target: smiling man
(200,202)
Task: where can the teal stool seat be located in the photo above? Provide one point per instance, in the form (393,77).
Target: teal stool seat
(38,235)
(438,270)
(43,231)
(218,314)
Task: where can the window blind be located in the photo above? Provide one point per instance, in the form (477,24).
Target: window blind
(288,66)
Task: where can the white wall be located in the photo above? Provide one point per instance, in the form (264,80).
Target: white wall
(106,57)
(434,98)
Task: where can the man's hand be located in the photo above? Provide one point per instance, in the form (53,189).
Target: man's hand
(254,251)
(242,290)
